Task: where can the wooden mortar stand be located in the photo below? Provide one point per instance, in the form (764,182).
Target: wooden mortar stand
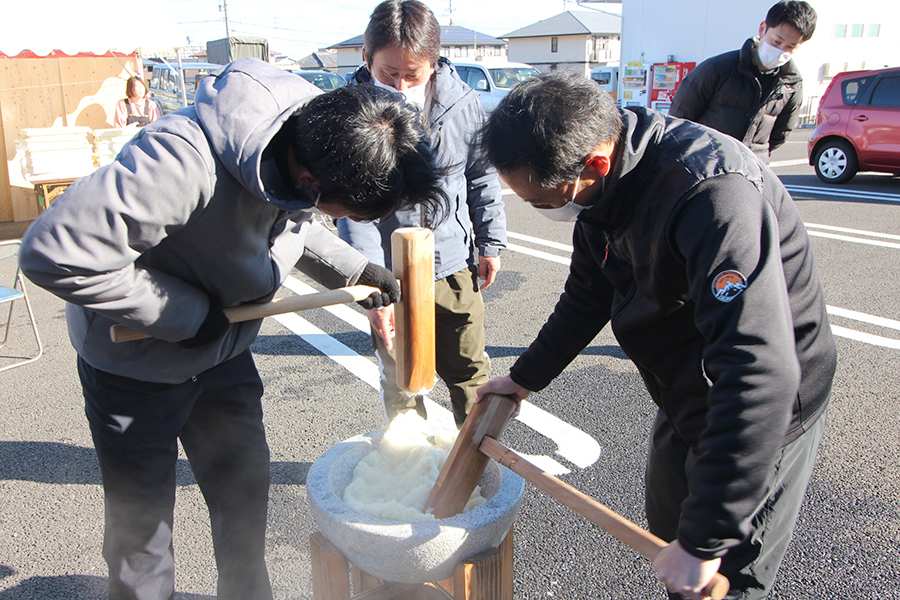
(412,258)
(485,576)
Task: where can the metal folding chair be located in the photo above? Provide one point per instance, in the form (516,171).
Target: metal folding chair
(10,249)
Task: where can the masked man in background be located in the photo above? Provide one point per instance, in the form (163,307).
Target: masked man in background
(753,94)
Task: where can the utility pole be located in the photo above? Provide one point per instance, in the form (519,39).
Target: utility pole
(450,11)
(224,8)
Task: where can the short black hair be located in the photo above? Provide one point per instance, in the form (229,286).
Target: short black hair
(550,124)
(796,13)
(368,151)
(405,23)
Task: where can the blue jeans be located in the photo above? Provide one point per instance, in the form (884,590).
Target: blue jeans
(135,425)
(752,565)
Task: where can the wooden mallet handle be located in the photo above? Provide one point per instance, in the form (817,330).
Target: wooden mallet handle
(638,539)
(466,464)
(279,306)
(412,259)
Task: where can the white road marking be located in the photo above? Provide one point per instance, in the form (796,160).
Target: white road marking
(788,163)
(855,240)
(840,312)
(844,193)
(537,253)
(863,317)
(868,338)
(359,365)
(887,236)
(540,242)
(573,444)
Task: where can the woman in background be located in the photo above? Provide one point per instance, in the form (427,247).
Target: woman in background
(137,108)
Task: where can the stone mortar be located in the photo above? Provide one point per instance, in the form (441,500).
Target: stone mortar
(407,552)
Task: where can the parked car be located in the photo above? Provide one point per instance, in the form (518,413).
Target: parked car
(493,80)
(324,80)
(165,83)
(857,126)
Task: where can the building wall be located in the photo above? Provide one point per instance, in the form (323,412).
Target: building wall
(576,53)
(698,29)
(348,60)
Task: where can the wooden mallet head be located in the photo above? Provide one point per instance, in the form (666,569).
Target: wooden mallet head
(412,258)
(466,463)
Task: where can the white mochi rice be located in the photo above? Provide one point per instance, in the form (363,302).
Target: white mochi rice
(394,480)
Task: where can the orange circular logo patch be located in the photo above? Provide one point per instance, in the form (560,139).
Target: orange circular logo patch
(727,285)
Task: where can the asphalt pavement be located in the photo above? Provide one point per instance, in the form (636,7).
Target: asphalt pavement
(590,425)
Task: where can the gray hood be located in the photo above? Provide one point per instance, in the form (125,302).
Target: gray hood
(239,130)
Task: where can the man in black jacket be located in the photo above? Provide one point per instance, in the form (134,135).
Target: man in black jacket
(693,250)
(753,94)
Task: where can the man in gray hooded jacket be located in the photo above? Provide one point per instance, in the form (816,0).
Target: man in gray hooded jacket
(211,207)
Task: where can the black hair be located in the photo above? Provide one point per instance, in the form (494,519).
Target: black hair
(368,151)
(550,124)
(405,23)
(796,13)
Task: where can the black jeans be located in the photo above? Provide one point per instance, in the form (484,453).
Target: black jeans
(752,565)
(135,425)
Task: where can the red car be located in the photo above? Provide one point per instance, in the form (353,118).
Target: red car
(857,126)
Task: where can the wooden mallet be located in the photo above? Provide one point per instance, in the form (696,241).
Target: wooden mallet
(279,306)
(477,443)
(412,258)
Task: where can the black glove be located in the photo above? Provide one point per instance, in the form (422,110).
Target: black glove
(382,279)
(213,327)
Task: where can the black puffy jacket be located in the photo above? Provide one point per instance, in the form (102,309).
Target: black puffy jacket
(724,92)
(698,257)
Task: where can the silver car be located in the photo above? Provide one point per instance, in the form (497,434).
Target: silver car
(493,80)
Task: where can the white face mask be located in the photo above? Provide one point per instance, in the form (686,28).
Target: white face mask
(414,95)
(771,57)
(315,207)
(568,212)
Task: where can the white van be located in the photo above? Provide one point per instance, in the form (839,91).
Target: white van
(493,79)
(607,78)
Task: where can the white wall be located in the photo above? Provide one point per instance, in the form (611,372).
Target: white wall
(348,60)
(694,30)
(536,51)
(573,53)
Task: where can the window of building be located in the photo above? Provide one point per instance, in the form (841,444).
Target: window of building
(857,31)
(554,44)
(874,30)
(840,31)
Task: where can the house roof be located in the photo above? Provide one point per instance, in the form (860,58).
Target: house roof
(319,60)
(571,23)
(451,35)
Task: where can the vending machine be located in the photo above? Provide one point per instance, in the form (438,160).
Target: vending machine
(634,84)
(664,81)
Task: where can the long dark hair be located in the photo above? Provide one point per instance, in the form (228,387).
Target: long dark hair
(405,23)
